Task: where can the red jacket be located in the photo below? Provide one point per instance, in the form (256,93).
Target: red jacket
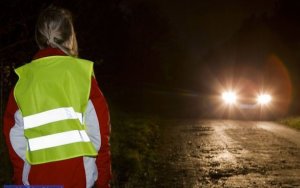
(70,172)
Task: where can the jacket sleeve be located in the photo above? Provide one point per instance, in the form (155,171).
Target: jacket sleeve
(103,160)
(13,132)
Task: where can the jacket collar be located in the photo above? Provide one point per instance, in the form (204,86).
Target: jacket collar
(48,52)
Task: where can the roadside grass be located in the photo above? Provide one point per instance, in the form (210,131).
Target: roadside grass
(134,140)
(293,122)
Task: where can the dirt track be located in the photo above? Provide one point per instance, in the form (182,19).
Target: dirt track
(225,153)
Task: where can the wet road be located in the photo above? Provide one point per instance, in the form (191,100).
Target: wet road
(226,153)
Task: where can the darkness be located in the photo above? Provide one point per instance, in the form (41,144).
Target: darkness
(169,46)
(171,58)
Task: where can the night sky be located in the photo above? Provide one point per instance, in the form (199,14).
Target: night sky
(191,45)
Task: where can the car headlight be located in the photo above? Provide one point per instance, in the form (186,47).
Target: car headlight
(264,99)
(229,97)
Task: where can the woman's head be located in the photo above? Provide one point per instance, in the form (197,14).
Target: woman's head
(55,29)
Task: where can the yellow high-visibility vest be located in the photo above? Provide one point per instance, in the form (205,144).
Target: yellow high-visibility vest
(52,94)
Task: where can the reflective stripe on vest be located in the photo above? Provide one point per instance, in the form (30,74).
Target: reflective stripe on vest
(57,139)
(50,116)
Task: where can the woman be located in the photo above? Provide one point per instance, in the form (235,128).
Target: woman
(56,123)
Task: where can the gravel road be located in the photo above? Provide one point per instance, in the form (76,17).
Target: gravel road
(227,153)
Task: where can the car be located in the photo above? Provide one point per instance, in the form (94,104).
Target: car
(246,105)
(246,99)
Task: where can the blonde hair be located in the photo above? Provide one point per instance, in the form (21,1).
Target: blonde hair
(55,29)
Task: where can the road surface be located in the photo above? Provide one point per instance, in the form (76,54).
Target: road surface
(228,153)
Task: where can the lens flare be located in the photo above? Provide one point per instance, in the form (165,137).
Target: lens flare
(279,81)
(229,97)
(264,99)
